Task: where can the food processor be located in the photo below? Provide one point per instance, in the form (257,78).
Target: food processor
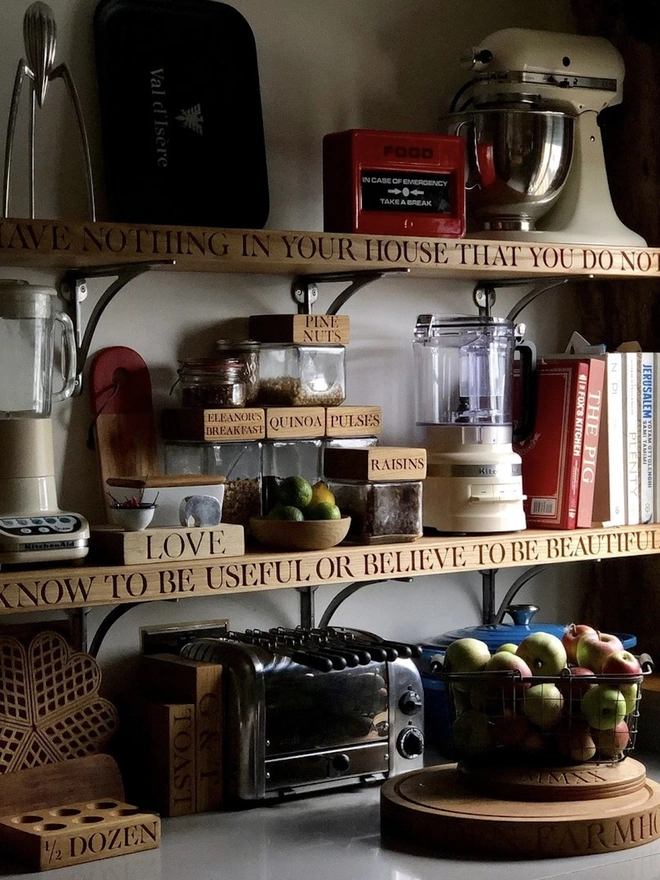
(32,526)
(464,367)
(530,119)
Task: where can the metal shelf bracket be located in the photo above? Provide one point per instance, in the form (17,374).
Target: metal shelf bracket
(73,290)
(304,290)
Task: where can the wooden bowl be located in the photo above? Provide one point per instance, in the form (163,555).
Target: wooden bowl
(312,534)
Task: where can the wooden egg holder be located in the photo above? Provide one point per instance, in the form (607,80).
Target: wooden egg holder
(94,823)
(541,812)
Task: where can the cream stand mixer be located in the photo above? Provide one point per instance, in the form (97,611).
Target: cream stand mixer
(529,115)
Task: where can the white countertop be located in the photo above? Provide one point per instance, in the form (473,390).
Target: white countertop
(332,836)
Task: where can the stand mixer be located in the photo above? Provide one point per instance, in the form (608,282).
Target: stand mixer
(529,115)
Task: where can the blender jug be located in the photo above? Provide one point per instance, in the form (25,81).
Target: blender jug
(32,527)
(464,371)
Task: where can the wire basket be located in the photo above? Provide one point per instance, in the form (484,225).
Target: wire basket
(568,718)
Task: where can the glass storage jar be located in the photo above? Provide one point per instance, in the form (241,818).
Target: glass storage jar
(208,383)
(381,513)
(247,352)
(239,462)
(301,375)
(289,458)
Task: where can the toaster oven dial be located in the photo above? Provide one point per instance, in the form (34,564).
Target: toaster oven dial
(411,743)
(410,703)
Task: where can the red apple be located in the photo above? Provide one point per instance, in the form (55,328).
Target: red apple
(594,648)
(511,731)
(575,740)
(572,635)
(611,743)
(493,693)
(543,653)
(575,681)
(622,663)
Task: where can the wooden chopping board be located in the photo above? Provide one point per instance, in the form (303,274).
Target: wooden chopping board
(435,810)
(124,425)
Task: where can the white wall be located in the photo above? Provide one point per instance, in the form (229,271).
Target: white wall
(324,66)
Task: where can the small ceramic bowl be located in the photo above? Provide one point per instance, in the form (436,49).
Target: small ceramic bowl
(132,519)
(313,534)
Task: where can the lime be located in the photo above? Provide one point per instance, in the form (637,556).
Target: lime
(294,491)
(288,512)
(321,493)
(322,510)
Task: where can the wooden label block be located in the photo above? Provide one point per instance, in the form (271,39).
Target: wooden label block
(290,422)
(117,547)
(73,834)
(179,679)
(300,329)
(169,732)
(375,463)
(353,421)
(214,425)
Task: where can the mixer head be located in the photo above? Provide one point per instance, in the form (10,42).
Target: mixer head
(555,71)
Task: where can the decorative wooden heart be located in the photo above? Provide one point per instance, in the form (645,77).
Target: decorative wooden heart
(50,709)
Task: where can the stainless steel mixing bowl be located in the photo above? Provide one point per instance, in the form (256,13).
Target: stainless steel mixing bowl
(518,162)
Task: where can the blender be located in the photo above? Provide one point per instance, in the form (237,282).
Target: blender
(530,116)
(32,526)
(464,368)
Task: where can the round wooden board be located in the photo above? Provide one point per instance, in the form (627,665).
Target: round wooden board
(435,810)
(529,782)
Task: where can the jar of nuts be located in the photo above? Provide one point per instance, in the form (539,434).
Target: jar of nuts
(301,375)
(247,352)
(213,384)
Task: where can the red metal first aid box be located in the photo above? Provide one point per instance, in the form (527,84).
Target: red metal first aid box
(394,183)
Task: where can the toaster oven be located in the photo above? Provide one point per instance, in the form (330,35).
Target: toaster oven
(308,709)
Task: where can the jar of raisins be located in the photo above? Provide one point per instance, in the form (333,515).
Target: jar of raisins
(208,383)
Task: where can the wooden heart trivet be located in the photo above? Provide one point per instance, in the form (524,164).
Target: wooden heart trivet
(50,709)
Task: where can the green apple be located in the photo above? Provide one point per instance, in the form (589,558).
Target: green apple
(543,704)
(466,656)
(471,734)
(543,652)
(509,647)
(630,692)
(603,706)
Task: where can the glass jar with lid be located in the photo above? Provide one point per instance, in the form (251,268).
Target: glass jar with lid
(209,383)
(247,352)
(301,375)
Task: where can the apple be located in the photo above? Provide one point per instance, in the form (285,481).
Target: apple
(603,706)
(575,680)
(630,693)
(493,692)
(622,663)
(543,704)
(465,656)
(575,740)
(472,734)
(509,647)
(543,652)
(572,635)
(511,731)
(535,742)
(611,743)
(594,648)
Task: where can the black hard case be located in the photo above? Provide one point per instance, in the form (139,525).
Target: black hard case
(183,137)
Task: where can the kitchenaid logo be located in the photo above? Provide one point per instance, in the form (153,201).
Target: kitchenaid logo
(190,117)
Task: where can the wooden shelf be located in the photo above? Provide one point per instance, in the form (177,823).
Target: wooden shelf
(90,585)
(59,244)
